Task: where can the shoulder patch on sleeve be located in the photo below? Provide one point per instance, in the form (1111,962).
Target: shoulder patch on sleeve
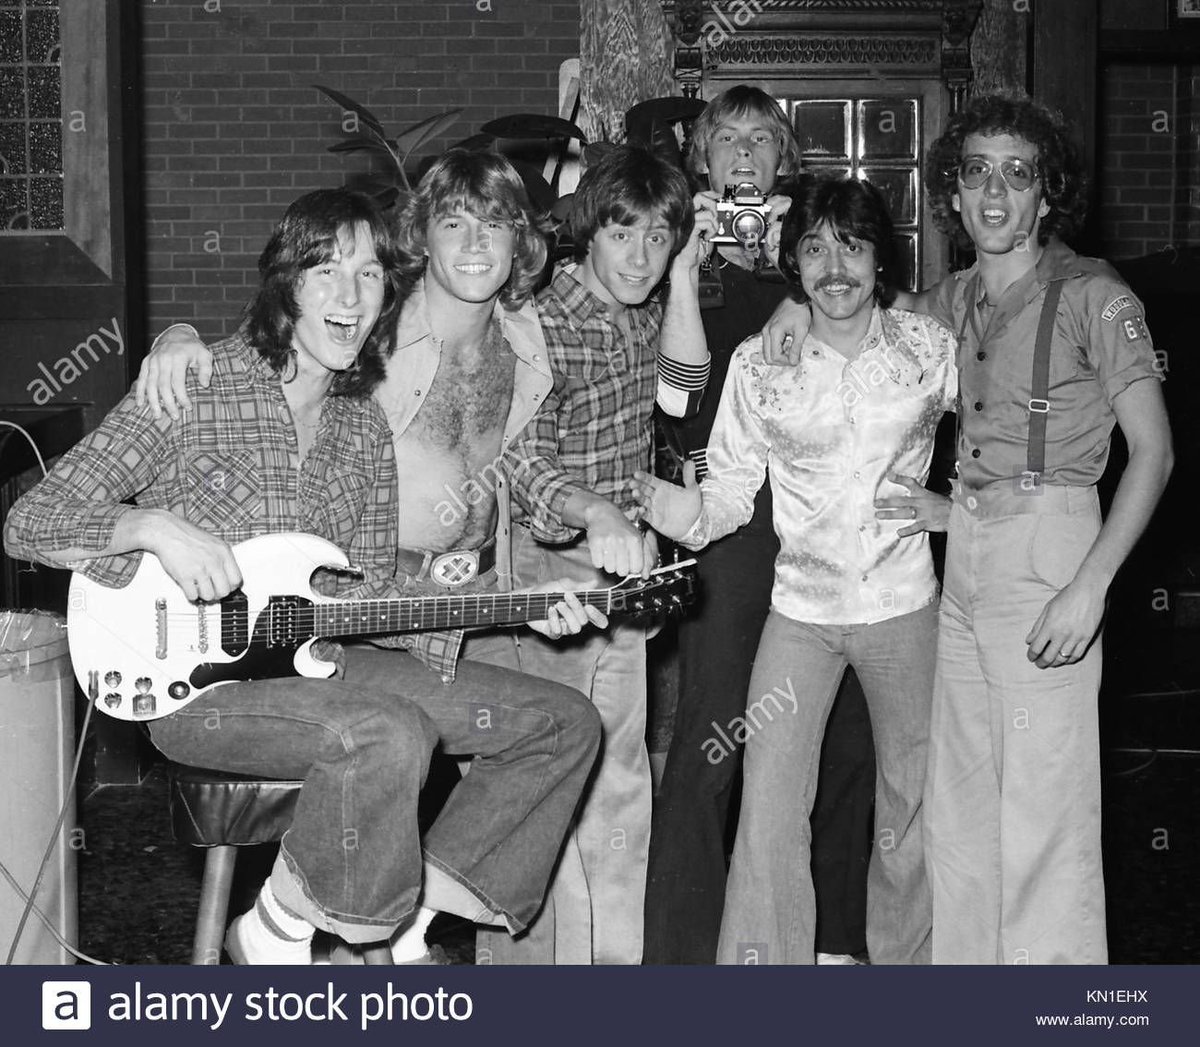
(1135,329)
(1123,301)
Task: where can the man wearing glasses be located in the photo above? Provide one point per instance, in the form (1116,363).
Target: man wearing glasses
(1053,350)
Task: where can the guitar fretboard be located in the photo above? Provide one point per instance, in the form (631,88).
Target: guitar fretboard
(417,614)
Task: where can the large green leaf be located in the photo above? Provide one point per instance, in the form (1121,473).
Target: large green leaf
(360,142)
(420,133)
(533,125)
(348,103)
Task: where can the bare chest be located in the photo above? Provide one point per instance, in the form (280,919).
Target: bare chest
(447,457)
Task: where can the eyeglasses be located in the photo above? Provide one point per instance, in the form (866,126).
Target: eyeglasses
(1018,175)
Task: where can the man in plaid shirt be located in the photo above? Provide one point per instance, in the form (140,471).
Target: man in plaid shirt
(288,438)
(572,474)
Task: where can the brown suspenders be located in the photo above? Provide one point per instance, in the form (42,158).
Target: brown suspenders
(1039,403)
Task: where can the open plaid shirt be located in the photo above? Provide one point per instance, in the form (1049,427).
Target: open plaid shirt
(227,467)
(594,427)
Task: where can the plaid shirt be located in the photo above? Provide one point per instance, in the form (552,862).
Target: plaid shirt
(226,467)
(594,427)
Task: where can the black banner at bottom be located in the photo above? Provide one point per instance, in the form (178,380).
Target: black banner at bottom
(615,1007)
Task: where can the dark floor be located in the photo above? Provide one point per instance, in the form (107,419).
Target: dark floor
(138,889)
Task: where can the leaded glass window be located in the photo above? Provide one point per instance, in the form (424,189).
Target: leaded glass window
(31,129)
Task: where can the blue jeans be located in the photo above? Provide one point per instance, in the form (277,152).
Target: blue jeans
(361,745)
(770,908)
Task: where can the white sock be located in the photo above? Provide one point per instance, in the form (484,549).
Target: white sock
(408,942)
(270,934)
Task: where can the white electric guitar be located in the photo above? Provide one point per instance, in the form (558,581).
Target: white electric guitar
(143,651)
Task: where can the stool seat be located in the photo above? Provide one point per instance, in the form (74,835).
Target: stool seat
(222,811)
(219,808)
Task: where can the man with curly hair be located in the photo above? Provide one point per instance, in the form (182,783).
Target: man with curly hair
(1053,353)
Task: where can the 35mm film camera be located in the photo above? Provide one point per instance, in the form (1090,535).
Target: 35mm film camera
(742,217)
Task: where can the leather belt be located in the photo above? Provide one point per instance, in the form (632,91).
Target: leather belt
(451,569)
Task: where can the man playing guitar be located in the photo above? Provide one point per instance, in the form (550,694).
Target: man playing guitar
(287,438)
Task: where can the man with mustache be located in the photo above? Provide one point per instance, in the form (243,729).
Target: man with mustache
(854,582)
(744,136)
(1053,352)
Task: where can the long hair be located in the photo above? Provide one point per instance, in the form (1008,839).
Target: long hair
(308,235)
(736,103)
(1059,168)
(488,187)
(851,208)
(626,185)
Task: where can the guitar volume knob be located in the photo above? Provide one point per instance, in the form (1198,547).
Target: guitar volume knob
(112,678)
(112,700)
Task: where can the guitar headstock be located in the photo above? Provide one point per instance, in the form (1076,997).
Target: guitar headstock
(668,590)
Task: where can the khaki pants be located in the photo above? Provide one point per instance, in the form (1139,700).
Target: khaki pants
(1012,800)
(593,913)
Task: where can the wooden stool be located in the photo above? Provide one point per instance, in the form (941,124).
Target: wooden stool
(222,811)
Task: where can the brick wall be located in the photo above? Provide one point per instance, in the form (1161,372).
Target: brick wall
(234,130)
(1149,193)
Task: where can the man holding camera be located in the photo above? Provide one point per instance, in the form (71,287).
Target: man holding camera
(743,139)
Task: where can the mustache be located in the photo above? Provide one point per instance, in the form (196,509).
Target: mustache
(825,281)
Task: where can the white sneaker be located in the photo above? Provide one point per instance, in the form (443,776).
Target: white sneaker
(837,959)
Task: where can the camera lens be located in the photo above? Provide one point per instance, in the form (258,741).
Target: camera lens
(748,227)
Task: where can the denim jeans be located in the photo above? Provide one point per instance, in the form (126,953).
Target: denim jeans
(1013,796)
(770,910)
(593,909)
(361,745)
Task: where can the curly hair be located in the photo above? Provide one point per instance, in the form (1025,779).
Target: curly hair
(1059,168)
(736,103)
(626,185)
(851,208)
(311,231)
(488,187)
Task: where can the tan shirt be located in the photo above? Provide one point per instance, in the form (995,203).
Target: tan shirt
(1100,347)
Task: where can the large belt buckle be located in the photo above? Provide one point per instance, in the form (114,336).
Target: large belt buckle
(455,568)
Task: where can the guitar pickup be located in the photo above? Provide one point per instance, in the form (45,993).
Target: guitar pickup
(160,628)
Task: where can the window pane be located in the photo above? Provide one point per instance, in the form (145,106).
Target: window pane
(31,165)
(823,128)
(899,189)
(13,204)
(46,203)
(887,129)
(905,245)
(12,149)
(45,148)
(41,36)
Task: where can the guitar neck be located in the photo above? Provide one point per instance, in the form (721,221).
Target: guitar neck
(418,614)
